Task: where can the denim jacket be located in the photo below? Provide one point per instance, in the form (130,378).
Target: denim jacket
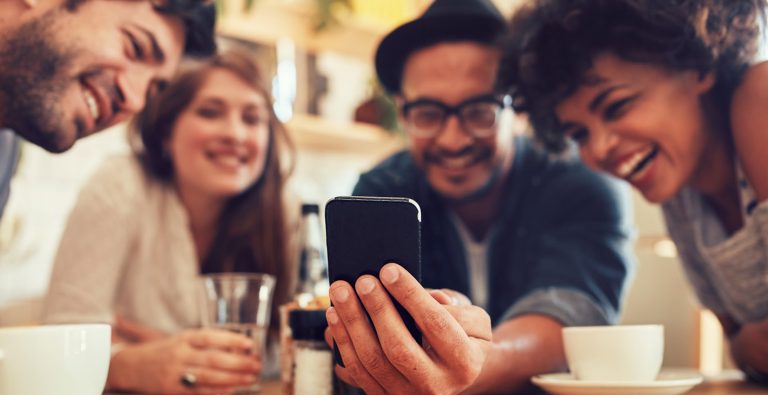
(561,246)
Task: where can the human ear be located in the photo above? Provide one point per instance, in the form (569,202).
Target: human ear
(704,81)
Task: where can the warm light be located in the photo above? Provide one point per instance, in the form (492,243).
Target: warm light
(665,248)
(284,82)
(710,344)
(387,13)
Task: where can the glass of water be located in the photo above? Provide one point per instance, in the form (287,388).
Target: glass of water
(240,303)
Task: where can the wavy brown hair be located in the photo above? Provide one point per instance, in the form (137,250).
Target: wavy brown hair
(552,43)
(253,230)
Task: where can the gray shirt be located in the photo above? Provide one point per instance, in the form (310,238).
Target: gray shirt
(728,272)
(9,153)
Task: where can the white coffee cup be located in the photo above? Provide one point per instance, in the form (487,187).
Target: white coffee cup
(624,353)
(54,359)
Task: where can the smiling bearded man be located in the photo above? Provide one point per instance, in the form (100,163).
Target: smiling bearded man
(33,79)
(70,68)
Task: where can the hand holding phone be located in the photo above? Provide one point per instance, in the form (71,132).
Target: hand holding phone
(365,233)
(381,357)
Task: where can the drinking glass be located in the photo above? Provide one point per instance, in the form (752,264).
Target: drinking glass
(240,303)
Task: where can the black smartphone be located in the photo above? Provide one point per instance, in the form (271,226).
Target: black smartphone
(365,233)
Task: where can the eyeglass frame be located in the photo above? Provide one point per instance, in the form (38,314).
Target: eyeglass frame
(503,101)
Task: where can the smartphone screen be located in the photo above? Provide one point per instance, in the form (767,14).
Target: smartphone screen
(365,233)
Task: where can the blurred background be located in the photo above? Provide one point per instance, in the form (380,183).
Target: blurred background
(319,54)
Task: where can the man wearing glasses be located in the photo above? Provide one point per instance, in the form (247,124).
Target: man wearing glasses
(537,243)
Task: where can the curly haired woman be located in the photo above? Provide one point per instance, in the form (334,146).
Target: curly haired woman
(667,96)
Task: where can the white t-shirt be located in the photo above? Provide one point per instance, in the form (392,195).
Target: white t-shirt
(477,263)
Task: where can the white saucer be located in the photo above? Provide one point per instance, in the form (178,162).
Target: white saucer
(669,382)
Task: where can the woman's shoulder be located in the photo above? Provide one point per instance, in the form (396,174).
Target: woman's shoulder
(749,126)
(757,72)
(754,84)
(123,163)
(119,178)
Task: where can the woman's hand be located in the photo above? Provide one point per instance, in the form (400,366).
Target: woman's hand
(219,360)
(127,331)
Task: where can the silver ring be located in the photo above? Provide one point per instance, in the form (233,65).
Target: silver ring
(188,379)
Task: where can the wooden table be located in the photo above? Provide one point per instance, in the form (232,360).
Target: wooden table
(715,386)
(727,385)
(272,388)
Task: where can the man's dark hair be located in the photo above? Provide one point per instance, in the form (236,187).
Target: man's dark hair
(198,16)
(552,44)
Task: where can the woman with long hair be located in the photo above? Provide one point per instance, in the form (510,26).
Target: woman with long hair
(204,192)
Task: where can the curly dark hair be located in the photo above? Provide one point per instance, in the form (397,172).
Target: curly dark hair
(552,44)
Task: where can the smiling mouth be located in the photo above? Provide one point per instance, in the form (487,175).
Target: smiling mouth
(93,105)
(462,161)
(637,163)
(457,163)
(102,97)
(227,160)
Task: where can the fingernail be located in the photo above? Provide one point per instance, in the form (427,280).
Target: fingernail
(389,274)
(331,316)
(340,295)
(365,285)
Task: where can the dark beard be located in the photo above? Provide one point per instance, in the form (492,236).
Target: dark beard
(33,80)
(479,193)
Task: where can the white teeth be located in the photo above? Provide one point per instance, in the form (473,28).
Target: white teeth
(228,160)
(92,106)
(456,163)
(626,168)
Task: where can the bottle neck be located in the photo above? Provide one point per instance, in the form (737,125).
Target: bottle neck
(313,266)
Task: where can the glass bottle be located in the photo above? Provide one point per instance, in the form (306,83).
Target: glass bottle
(312,358)
(313,264)
(312,288)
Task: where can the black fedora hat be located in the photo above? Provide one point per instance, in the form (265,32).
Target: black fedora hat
(444,20)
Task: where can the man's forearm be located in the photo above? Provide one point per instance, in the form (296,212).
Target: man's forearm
(522,347)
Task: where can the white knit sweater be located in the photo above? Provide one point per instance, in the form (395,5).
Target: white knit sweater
(126,249)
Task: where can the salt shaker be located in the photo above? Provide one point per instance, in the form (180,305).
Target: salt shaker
(312,358)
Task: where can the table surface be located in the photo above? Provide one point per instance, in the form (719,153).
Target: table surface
(727,387)
(715,386)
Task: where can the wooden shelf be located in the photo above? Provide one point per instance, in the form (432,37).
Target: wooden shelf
(271,20)
(322,134)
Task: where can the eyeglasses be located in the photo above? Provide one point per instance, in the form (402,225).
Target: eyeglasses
(425,118)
